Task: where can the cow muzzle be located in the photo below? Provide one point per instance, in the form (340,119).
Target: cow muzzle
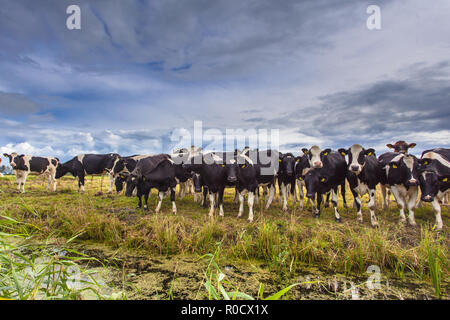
(355,169)
(232,179)
(412,183)
(317,164)
(427,198)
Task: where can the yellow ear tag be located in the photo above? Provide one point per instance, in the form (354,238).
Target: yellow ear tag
(279,160)
(325,154)
(445,180)
(394,166)
(369,154)
(223,166)
(343,153)
(426,162)
(323,180)
(301,179)
(243,166)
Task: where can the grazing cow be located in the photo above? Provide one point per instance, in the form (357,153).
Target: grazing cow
(286,176)
(321,180)
(123,167)
(153,172)
(89,164)
(24,165)
(400,173)
(434,179)
(401,146)
(363,175)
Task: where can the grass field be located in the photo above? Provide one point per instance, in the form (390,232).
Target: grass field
(160,252)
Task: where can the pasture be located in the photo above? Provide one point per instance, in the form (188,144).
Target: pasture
(162,256)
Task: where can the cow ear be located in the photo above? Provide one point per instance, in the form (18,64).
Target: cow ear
(390,146)
(22,155)
(326,152)
(411,145)
(305,151)
(6,155)
(343,151)
(370,152)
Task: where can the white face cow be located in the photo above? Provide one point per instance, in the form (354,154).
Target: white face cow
(313,155)
(357,157)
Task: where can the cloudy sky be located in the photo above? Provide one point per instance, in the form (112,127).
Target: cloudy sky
(140,72)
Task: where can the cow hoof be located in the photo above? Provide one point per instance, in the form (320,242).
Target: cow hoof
(285,209)
(174,211)
(345,205)
(326,205)
(145,208)
(375,225)
(360,220)
(338,220)
(250,220)
(316,215)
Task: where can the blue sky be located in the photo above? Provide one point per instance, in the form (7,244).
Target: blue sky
(138,70)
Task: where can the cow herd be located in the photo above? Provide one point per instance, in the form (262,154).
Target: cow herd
(320,172)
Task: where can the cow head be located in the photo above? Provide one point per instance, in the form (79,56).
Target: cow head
(430,180)
(231,168)
(314,156)
(132,182)
(301,163)
(314,181)
(287,164)
(197,181)
(357,157)
(401,146)
(14,158)
(119,181)
(403,169)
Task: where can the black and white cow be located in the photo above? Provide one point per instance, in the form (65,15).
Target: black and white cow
(24,165)
(89,164)
(302,163)
(286,177)
(153,172)
(400,173)
(363,175)
(123,167)
(266,164)
(321,180)
(434,179)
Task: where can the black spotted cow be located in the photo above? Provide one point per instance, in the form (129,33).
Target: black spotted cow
(123,167)
(401,175)
(153,172)
(266,164)
(24,165)
(434,179)
(363,175)
(286,177)
(320,180)
(89,164)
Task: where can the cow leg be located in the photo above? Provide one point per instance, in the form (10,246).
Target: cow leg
(300,193)
(357,203)
(257,195)
(251,199)
(146,195)
(160,199)
(283,192)
(343,195)
(205,193)
(183,190)
(220,201)
(241,205)
(319,201)
(293,193)
(372,207)
(81,183)
(172,199)
(327,201)
(271,195)
(437,212)
(400,203)
(139,200)
(111,182)
(412,192)
(337,217)
(212,198)
(236,196)
(383,196)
